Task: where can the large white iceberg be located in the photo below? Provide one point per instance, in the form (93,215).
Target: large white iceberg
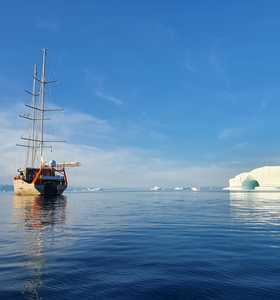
(260,179)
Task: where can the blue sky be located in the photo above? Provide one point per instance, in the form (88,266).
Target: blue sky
(188,83)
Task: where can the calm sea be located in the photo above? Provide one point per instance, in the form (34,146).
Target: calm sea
(140,245)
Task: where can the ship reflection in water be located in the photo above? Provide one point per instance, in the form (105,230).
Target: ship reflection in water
(256,207)
(38,215)
(38,212)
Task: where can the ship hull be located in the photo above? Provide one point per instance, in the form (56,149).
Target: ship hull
(22,187)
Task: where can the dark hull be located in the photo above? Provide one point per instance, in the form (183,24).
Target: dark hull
(50,188)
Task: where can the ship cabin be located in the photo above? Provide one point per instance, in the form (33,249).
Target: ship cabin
(43,174)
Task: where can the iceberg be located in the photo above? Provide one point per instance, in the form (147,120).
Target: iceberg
(266,178)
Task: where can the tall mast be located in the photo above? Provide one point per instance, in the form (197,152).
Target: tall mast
(33,156)
(38,114)
(42,96)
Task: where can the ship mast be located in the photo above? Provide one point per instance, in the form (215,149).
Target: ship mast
(42,100)
(33,153)
(38,114)
(34,118)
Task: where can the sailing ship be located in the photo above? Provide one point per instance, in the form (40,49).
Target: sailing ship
(38,177)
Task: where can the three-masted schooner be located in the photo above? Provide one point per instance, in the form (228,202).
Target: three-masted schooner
(39,177)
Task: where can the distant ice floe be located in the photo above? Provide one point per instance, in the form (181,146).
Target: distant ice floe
(155,188)
(264,179)
(179,188)
(176,189)
(96,189)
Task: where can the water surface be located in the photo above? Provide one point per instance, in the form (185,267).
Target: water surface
(140,245)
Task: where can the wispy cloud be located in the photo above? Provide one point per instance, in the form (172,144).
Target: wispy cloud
(47,24)
(113,99)
(240,146)
(97,84)
(229,133)
(189,64)
(264,104)
(217,62)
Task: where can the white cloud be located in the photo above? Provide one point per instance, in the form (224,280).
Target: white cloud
(113,99)
(125,167)
(97,85)
(230,133)
(78,125)
(114,167)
